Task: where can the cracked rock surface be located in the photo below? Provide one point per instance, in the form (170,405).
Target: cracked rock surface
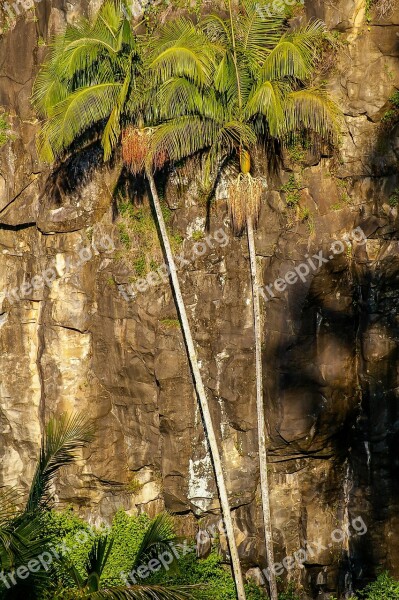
(330,346)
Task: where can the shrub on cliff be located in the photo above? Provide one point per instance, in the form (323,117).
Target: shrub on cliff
(384,588)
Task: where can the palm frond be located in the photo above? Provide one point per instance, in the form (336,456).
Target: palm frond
(144,592)
(63,437)
(217,31)
(285,60)
(178,96)
(112,129)
(295,53)
(313,110)
(182,51)
(183,136)
(21,537)
(157,538)
(48,87)
(98,556)
(236,133)
(257,32)
(267,100)
(77,113)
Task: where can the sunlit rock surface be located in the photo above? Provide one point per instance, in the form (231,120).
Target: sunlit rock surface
(330,342)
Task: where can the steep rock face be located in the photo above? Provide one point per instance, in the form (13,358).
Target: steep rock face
(73,341)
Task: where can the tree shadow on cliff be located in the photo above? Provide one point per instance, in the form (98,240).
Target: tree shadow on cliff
(353,420)
(72,172)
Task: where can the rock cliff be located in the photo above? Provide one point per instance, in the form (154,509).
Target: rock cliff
(71,340)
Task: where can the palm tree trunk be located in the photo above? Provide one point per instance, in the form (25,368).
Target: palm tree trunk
(264,485)
(207,419)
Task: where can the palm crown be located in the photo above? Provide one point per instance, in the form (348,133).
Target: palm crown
(248,77)
(219,85)
(85,84)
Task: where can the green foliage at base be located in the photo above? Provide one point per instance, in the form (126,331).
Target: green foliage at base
(214,577)
(212,574)
(127,532)
(289,594)
(77,536)
(394,198)
(384,588)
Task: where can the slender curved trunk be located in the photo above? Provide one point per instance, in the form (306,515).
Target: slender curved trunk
(264,485)
(207,419)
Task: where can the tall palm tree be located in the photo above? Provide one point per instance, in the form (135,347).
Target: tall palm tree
(94,82)
(260,88)
(220,89)
(91,585)
(21,536)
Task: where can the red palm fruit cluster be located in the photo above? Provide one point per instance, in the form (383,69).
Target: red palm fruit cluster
(136,146)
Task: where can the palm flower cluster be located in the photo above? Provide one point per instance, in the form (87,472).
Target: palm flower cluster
(136,147)
(245,193)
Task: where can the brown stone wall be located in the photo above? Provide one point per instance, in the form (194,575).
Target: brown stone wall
(330,342)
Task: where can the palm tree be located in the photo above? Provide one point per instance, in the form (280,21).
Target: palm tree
(95,82)
(92,585)
(21,538)
(261,88)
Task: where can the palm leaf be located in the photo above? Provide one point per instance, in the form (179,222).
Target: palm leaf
(112,129)
(257,32)
(98,556)
(182,51)
(157,539)
(77,113)
(267,101)
(183,136)
(294,55)
(49,88)
(62,438)
(313,110)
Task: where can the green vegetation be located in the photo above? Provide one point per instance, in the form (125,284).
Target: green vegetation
(292,190)
(197,235)
(289,594)
(305,215)
(134,486)
(214,577)
(391,117)
(384,588)
(139,238)
(4,137)
(394,198)
(127,533)
(171,323)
